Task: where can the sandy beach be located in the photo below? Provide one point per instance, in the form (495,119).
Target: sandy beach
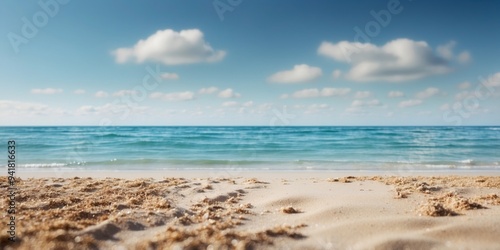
(253,210)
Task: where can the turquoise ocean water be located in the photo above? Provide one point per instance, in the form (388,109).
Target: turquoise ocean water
(287,148)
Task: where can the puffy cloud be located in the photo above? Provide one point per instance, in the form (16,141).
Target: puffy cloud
(446,51)
(284,96)
(464,57)
(306,93)
(396,61)
(169,76)
(492,81)
(101,94)
(462,95)
(357,105)
(372,103)
(427,93)
(173,97)
(410,103)
(362,94)
(299,73)
(316,108)
(8,107)
(394,94)
(464,85)
(335,91)
(336,74)
(228,93)
(209,90)
(47,91)
(23,107)
(171,48)
(325,92)
(111,109)
(230,104)
(248,104)
(80,91)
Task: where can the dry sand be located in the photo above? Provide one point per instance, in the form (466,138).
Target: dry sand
(253,210)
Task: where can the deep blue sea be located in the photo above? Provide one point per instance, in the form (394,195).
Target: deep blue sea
(276,148)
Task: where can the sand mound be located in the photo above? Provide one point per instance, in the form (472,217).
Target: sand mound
(449,204)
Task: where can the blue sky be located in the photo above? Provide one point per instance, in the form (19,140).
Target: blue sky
(68,62)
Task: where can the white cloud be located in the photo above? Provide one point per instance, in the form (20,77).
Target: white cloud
(171,48)
(372,103)
(394,94)
(173,97)
(169,76)
(111,109)
(464,57)
(228,93)
(230,104)
(362,94)
(493,80)
(462,95)
(124,93)
(357,103)
(427,93)
(248,104)
(47,91)
(284,96)
(318,106)
(396,61)
(335,91)
(325,92)
(299,73)
(12,111)
(446,50)
(209,90)
(315,108)
(306,93)
(80,91)
(22,107)
(464,85)
(410,103)
(336,74)
(101,94)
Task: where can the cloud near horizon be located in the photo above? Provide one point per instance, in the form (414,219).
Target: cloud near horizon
(396,61)
(299,74)
(46,91)
(229,93)
(171,48)
(173,97)
(169,76)
(325,92)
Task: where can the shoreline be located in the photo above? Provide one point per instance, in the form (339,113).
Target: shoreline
(214,173)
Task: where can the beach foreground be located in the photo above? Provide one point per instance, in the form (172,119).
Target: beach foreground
(248,210)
